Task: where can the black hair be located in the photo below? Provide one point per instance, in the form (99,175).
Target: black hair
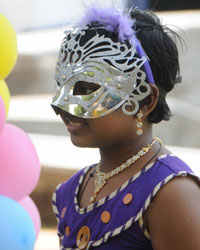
(159,43)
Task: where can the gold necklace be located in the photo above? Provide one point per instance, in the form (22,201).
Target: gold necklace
(102,177)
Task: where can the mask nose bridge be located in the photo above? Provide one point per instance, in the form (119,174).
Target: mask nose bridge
(56,109)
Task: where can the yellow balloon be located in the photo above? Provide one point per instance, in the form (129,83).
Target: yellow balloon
(8,47)
(5,94)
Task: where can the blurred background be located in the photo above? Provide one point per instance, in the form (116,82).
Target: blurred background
(40,25)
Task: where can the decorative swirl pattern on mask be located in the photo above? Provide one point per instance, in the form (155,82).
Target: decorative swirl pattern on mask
(114,65)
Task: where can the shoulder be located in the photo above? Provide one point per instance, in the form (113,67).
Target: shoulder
(166,168)
(178,192)
(173,163)
(154,177)
(174,215)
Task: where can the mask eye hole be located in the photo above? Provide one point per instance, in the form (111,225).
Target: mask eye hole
(85,88)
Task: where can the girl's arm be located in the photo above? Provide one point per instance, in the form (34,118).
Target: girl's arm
(174,217)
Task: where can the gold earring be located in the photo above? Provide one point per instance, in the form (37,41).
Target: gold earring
(139,123)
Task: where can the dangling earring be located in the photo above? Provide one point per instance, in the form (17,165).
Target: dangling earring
(139,123)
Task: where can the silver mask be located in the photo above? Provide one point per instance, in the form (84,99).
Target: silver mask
(115,67)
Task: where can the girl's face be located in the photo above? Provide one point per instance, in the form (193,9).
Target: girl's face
(111,130)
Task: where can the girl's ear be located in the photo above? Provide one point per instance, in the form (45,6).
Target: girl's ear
(150,102)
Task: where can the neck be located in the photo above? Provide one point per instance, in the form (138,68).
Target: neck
(114,156)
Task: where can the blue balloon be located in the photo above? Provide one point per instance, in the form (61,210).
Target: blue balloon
(17,231)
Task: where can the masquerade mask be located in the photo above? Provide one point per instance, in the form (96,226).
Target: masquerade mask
(98,69)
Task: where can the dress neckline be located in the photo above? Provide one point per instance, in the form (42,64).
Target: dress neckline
(108,197)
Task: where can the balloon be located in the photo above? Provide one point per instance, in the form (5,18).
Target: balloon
(19,163)
(28,204)
(17,230)
(5,94)
(2,114)
(8,47)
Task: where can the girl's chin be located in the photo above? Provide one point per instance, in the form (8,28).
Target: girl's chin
(81,142)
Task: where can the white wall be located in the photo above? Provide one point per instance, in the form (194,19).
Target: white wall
(17,11)
(33,14)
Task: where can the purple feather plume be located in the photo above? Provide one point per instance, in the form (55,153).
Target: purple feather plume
(113,20)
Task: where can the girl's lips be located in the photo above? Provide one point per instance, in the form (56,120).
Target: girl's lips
(74,126)
(73,123)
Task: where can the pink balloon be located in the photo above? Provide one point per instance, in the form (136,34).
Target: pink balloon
(19,163)
(2,114)
(29,205)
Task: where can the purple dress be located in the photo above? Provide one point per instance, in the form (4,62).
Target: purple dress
(111,223)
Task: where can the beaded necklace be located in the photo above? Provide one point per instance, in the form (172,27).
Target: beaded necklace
(102,177)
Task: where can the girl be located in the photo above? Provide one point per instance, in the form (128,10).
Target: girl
(113,73)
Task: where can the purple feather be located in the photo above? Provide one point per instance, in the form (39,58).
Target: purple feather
(113,20)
